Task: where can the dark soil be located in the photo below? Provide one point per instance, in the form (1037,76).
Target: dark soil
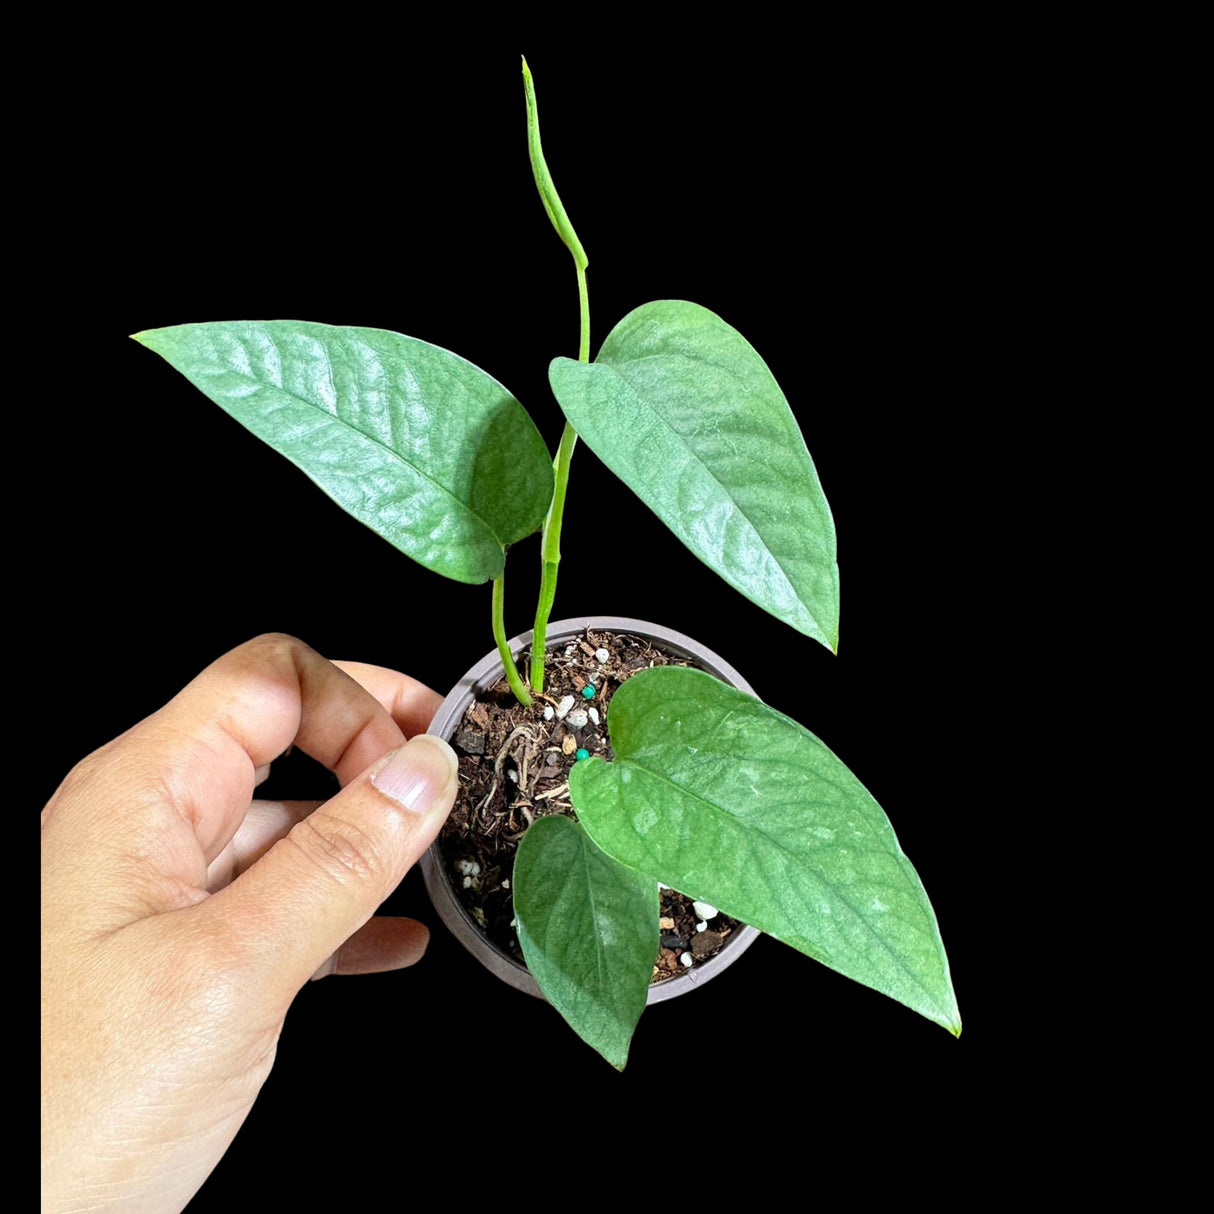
(514,765)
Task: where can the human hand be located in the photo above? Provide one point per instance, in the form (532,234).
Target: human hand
(179,921)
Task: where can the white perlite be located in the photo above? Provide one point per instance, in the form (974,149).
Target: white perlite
(701,926)
(705,910)
(563,707)
(685,960)
(549,713)
(577,718)
(468,867)
(602,655)
(593,714)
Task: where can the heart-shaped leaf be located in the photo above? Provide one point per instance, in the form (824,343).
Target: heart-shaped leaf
(416,442)
(726,800)
(589,931)
(681,408)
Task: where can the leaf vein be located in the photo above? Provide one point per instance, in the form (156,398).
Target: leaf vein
(696,457)
(781,847)
(340,420)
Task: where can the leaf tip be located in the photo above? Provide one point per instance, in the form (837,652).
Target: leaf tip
(950,1019)
(615,1055)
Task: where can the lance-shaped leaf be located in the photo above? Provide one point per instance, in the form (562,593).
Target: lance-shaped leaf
(416,442)
(726,800)
(681,407)
(589,931)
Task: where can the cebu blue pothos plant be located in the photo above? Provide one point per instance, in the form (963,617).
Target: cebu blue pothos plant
(710,791)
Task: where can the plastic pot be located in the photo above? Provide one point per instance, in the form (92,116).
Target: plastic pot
(487,672)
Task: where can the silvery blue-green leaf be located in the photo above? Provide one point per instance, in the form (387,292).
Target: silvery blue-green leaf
(416,442)
(681,408)
(589,931)
(728,801)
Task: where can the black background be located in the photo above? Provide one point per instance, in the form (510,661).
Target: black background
(838,214)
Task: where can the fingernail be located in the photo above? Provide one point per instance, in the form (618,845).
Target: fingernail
(418,774)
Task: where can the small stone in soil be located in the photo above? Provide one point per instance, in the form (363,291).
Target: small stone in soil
(470,741)
(554,747)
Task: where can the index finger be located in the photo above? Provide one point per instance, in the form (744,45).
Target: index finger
(411,704)
(173,789)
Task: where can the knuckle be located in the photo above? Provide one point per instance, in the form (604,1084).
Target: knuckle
(277,641)
(276,648)
(339,848)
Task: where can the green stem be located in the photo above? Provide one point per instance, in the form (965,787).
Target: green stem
(583,345)
(550,547)
(499,635)
(550,557)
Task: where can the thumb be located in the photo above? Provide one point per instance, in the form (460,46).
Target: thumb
(324,879)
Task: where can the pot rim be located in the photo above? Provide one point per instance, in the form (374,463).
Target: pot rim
(481,677)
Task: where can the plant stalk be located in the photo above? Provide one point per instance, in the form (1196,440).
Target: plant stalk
(550,556)
(550,545)
(499,635)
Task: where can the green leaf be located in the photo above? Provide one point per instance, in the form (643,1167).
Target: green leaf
(681,407)
(543,178)
(726,800)
(423,447)
(589,931)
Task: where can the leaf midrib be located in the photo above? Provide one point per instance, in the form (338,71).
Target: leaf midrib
(749,521)
(339,420)
(792,855)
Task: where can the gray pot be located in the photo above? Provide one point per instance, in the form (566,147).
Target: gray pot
(480,678)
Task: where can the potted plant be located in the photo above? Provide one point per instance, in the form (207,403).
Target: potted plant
(707,790)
